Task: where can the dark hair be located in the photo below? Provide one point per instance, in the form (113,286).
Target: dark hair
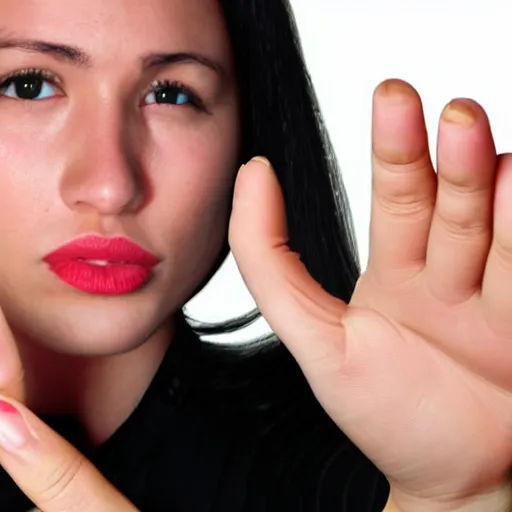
(281,120)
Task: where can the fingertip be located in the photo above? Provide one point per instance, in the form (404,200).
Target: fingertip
(461,112)
(258,204)
(399,132)
(262,160)
(396,89)
(465,112)
(243,180)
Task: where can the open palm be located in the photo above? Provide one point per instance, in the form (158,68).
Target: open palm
(417,369)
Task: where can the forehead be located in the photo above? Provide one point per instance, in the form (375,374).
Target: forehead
(115,27)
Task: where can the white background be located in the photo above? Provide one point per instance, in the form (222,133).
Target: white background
(446,49)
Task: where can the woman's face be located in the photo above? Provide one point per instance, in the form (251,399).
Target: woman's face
(107,128)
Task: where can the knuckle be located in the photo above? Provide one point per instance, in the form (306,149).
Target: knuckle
(61,482)
(399,161)
(405,190)
(396,158)
(403,205)
(397,198)
(461,227)
(461,215)
(462,185)
(503,251)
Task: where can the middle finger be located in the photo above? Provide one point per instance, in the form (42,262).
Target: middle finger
(461,229)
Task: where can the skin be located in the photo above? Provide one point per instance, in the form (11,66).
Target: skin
(415,369)
(97,155)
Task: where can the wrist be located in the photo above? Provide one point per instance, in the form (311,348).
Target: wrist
(498,500)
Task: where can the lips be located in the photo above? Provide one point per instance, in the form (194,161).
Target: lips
(101,265)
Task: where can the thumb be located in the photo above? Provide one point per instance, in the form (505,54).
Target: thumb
(301,313)
(48,469)
(12,376)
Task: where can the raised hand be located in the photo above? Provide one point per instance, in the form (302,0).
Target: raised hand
(417,369)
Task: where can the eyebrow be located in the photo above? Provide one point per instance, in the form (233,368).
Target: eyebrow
(78,57)
(65,52)
(157,60)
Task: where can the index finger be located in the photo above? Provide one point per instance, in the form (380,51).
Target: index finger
(403,181)
(49,470)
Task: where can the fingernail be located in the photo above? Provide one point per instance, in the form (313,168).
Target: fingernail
(459,112)
(396,89)
(14,433)
(262,160)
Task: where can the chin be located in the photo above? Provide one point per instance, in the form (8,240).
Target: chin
(90,328)
(96,341)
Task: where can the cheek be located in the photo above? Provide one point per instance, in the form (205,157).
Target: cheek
(31,156)
(24,195)
(193,174)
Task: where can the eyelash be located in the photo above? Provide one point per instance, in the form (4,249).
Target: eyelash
(194,100)
(38,73)
(156,87)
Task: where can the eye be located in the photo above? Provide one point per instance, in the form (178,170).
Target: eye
(32,85)
(172,93)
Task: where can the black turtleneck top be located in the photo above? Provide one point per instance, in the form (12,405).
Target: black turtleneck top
(222,431)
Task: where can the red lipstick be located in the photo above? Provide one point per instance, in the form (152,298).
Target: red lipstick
(103,266)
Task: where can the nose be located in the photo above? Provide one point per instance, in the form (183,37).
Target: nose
(104,173)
